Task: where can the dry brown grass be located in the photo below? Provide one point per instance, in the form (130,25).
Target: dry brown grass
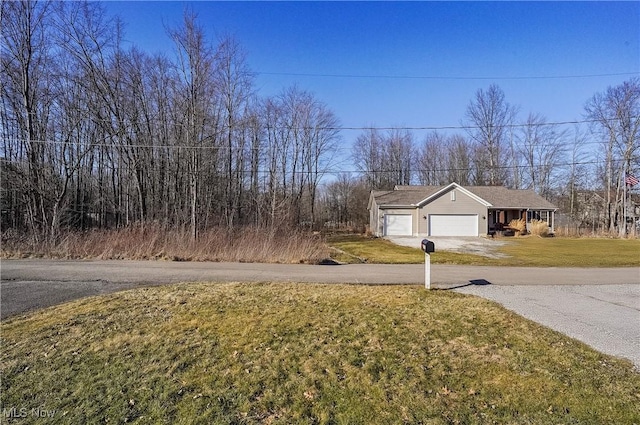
(248,244)
(573,231)
(518,225)
(539,228)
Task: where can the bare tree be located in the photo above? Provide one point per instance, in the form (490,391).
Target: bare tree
(432,160)
(345,202)
(386,159)
(576,174)
(616,121)
(254,133)
(234,81)
(197,129)
(26,53)
(301,133)
(445,159)
(460,159)
(321,129)
(489,115)
(274,160)
(368,155)
(400,155)
(542,147)
(42,81)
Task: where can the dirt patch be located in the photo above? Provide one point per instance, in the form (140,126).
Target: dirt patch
(466,245)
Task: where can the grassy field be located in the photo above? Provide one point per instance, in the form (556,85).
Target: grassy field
(573,252)
(521,251)
(304,354)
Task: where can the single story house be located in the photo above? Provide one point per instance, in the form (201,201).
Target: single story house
(454,210)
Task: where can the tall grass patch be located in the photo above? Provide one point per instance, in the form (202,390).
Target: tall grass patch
(294,354)
(245,244)
(539,228)
(519,225)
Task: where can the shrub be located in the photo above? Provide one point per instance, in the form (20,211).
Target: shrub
(539,228)
(518,225)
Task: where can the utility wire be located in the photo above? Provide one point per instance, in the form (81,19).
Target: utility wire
(499,167)
(423,128)
(447,78)
(374,127)
(178,147)
(332,171)
(475,127)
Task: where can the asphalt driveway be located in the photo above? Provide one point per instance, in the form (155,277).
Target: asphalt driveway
(606,317)
(600,307)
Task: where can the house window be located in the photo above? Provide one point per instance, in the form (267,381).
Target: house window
(538,215)
(544,216)
(453,195)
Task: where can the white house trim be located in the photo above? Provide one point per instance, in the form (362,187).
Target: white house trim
(454,186)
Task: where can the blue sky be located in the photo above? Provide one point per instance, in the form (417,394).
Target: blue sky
(352,54)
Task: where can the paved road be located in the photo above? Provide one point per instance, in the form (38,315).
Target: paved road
(118,271)
(598,306)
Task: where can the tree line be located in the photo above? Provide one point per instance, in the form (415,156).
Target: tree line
(95,135)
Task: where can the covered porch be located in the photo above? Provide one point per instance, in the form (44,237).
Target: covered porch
(499,219)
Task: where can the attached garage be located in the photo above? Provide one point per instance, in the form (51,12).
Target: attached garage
(398,225)
(453,225)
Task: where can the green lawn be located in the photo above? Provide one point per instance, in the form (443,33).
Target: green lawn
(573,252)
(520,251)
(305,354)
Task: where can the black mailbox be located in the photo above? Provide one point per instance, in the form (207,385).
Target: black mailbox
(428,246)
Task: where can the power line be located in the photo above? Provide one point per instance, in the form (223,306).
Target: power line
(499,167)
(448,78)
(175,147)
(417,128)
(413,171)
(474,127)
(330,128)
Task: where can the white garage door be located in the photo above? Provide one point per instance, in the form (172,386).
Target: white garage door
(398,225)
(453,225)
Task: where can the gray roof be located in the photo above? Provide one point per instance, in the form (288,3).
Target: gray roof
(501,197)
(497,196)
(405,197)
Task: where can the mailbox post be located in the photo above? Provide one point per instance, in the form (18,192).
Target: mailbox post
(428,247)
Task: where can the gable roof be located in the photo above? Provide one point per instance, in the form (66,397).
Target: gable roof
(491,196)
(449,188)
